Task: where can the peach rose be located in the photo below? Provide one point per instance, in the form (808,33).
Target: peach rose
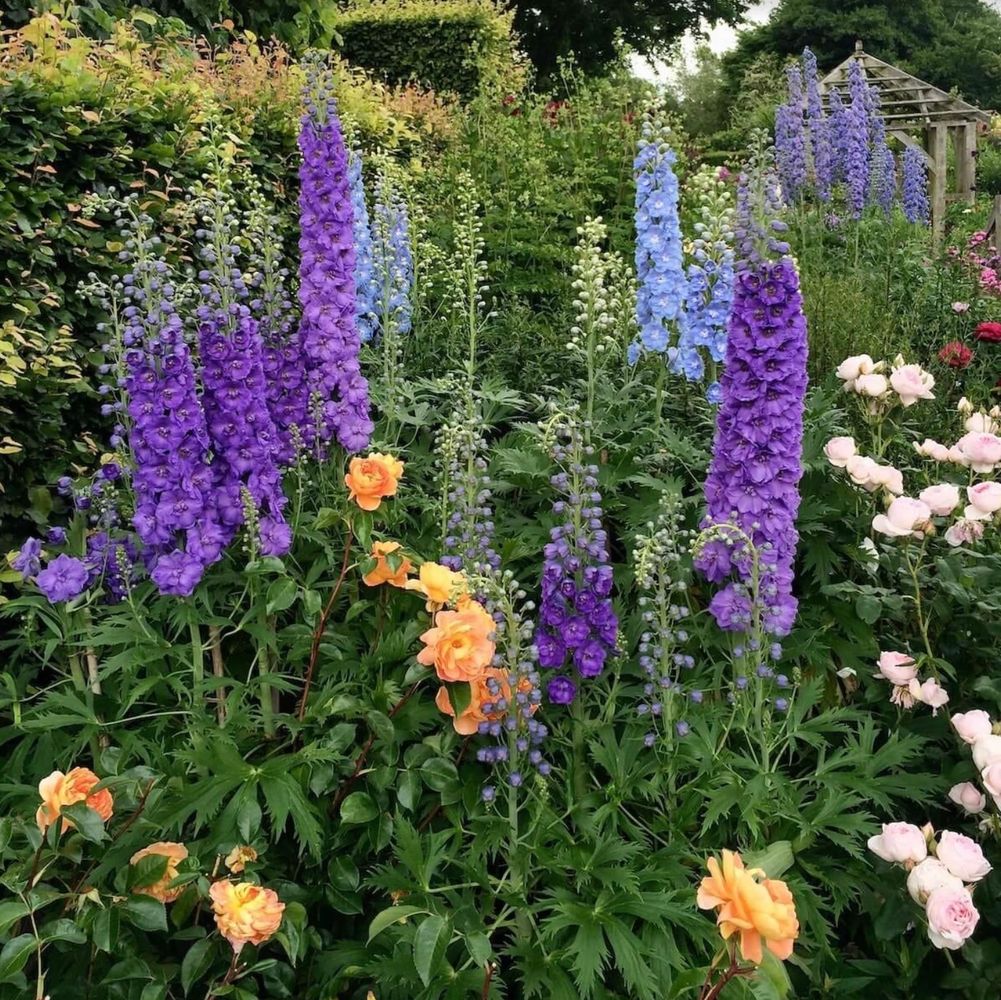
(370,479)
(981,452)
(900,844)
(897,668)
(963,856)
(972,726)
(485,690)
(929,693)
(58,790)
(438,584)
(245,912)
(985,501)
(761,912)
(952,917)
(969,797)
(964,531)
(942,499)
(238,858)
(383,572)
(459,646)
(911,383)
(838,450)
(932,449)
(904,518)
(161,889)
(926,877)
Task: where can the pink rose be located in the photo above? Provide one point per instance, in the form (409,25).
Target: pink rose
(928,876)
(982,452)
(971,726)
(942,499)
(904,518)
(897,668)
(985,500)
(952,917)
(962,856)
(861,470)
(900,843)
(964,531)
(980,423)
(930,693)
(957,457)
(932,449)
(838,450)
(969,797)
(986,751)
(889,478)
(991,777)
(851,368)
(911,383)
(873,385)
(960,307)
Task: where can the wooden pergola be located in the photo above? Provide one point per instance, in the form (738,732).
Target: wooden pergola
(909,106)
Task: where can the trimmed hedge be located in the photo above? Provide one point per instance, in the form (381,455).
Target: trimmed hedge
(454,46)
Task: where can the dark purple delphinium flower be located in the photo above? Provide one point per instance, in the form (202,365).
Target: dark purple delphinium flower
(56,536)
(112,561)
(245,443)
(29,560)
(820,137)
(337,400)
(64,579)
(914,195)
(577,621)
(177,573)
(757,451)
(561,690)
(171,478)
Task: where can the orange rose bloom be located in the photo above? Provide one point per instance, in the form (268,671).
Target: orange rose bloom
(383,572)
(756,910)
(438,584)
(370,479)
(459,647)
(239,858)
(161,889)
(245,912)
(480,694)
(58,790)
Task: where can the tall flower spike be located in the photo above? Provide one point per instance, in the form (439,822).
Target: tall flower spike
(915,186)
(839,122)
(365,284)
(756,465)
(337,402)
(710,280)
(820,137)
(790,140)
(659,264)
(857,140)
(883,174)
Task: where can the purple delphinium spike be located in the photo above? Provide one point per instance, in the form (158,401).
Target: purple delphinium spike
(839,122)
(659,264)
(820,138)
(757,450)
(790,145)
(392,261)
(857,140)
(337,402)
(365,284)
(577,621)
(914,184)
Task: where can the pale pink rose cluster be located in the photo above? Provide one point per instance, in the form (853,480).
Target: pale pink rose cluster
(868,378)
(866,472)
(976,729)
(940,876)
(907,517)
(902,673)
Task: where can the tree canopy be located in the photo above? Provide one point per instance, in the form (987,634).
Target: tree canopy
(954,44)
(550,29)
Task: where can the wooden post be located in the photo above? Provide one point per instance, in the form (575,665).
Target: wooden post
(965,145)
(937,139)
(994,226)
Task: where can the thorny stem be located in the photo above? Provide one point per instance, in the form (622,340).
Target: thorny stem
(488,974)
(226,980)
(321,625)
(918,606)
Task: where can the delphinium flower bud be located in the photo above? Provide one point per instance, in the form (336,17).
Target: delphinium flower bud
(337,400)
(659,266)
(820,137)
(757,451)
(914,197)
(365,284)
(245,443)
(710,278)
(511,694)
(577,622)
(661,580)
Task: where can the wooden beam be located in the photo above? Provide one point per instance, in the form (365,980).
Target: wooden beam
(937,139)
(964,140)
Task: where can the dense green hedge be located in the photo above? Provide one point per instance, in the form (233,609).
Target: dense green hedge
(455,46)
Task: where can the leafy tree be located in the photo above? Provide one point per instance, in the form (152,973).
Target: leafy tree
(950,43)
(554,28)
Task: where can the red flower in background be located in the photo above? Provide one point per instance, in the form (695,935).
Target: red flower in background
(990,332)
(955,354)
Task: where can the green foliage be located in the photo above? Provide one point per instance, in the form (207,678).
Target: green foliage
(456,46)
